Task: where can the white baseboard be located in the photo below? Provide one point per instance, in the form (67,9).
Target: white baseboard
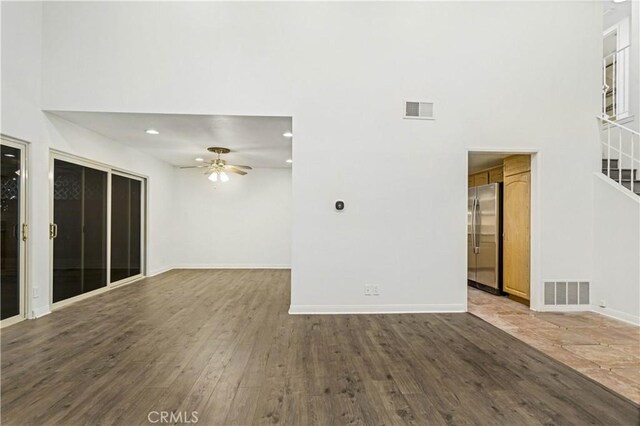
(233,266)
(612,313)
(159,271)
(373,309)
(40,312)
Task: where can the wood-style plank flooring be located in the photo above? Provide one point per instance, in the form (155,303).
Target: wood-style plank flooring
(222,344)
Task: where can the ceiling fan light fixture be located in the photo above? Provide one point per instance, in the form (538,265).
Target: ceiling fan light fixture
(213,177)
(224,177)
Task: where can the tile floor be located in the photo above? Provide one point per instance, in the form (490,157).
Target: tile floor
(604,349)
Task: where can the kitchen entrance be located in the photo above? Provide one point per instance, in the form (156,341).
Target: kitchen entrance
(499,224)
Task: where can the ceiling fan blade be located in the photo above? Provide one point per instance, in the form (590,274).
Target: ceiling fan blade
(237,166)
(232,169)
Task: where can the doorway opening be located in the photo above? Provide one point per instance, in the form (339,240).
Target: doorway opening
(499,221)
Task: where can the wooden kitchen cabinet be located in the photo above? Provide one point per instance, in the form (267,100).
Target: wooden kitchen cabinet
(481,178)
(496,175)
(516,255)
(516,164)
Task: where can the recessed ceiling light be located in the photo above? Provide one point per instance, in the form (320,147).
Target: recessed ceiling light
(9,155)
(287,134)
(152,132)
(199,159)
(289,161)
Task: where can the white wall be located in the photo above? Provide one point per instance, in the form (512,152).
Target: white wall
(342,70)
(22,118)
(616,279)
(245,222)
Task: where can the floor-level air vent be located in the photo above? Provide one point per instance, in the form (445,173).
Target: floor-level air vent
(566,293)
(420,110)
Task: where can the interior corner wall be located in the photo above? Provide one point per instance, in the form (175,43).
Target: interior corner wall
(242,223)
(70,138)
(616,281)
(502,75)
(22,118)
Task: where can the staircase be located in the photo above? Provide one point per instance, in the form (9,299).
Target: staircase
(628,177)
(620,154)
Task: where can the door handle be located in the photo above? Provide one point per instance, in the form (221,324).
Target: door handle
(53,231)
(477,227)
(473,225)
(24,232)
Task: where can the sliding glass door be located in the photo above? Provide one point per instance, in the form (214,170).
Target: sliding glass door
(126,227)
(97,228)
(13,230)
(79,229)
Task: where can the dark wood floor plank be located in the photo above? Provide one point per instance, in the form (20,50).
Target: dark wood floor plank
(221,343)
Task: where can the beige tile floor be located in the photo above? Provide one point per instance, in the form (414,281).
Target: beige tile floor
(604,349)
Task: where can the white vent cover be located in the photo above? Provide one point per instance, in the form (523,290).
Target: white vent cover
(566,293)
(419,110)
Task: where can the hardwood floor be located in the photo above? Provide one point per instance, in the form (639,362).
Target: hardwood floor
(222,344)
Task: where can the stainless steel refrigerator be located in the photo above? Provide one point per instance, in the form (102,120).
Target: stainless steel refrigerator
(484,237)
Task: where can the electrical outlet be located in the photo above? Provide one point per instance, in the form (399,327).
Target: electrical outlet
(603,304)
(368,290)
(36,292)
(375,290)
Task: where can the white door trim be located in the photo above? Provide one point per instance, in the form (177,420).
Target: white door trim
(536,285)
(24,282)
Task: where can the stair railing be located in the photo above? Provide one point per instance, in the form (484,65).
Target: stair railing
(619,143)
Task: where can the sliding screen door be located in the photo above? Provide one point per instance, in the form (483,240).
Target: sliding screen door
(79,230)
(11,218)
(126,227)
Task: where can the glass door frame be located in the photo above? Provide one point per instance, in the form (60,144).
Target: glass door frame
(23,281)
(110,170)
(143,227)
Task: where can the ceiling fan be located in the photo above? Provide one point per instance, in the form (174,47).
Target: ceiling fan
(218,168)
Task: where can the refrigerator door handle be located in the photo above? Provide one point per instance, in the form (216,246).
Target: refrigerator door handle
(476,227)
(473,225)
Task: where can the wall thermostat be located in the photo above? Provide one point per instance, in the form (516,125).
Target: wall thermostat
(339,205)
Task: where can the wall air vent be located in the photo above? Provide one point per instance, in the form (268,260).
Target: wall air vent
(419,110)
(567,293)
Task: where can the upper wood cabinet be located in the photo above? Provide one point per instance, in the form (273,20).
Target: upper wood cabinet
(488,176)
(495,175)
(481,178)
(516,164)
